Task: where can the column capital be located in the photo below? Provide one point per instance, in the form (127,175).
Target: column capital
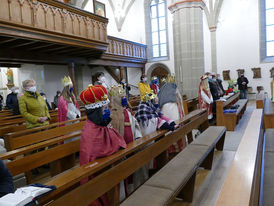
(179,4)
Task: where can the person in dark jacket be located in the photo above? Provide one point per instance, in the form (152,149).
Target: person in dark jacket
(56,97)
(242,82)
(12,100)
(6,180)
(45,98)
(1,102)
(219,81)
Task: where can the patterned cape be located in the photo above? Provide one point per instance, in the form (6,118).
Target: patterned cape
(146,111)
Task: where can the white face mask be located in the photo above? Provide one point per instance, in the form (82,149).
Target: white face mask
(45,98)
(103,79)
(32,89)
(16,91)
(145,79)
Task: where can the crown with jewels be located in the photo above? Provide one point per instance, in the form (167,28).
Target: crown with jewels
(170,79)
(149,96)
(66,81)
(117,90)
(94,96)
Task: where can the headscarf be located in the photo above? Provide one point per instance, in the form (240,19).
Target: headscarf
(167,94)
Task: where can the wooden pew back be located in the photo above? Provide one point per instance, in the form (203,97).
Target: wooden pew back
(190,105)
(242,183)
(31,136)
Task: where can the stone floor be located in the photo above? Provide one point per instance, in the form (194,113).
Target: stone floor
(209,183)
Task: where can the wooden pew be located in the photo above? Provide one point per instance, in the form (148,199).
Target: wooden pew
(69,179)
(260,98)
(177,178)
(230,120)
(27,137)
(190,105)
(242,183)
(267,180)
(268,114)
(30,146)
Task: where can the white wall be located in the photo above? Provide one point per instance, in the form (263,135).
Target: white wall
(134,24)
(134,75)
(53,80)
(238,42)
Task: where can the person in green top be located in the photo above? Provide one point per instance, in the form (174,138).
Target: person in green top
(32,106)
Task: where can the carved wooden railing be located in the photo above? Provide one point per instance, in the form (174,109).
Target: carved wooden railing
(53,18)
(126,48)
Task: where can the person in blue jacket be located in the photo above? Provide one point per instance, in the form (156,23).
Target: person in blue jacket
(6,180)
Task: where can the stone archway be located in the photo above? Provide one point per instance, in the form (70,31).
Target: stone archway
(159,70)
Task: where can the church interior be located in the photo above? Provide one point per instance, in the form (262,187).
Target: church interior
(136,102)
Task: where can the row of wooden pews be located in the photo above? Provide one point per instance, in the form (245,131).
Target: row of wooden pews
(230,120)
(141,151)
(32,149)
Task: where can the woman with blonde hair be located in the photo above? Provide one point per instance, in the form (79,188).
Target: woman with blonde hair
(68,107)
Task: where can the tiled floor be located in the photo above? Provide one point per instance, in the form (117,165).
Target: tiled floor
(209,183)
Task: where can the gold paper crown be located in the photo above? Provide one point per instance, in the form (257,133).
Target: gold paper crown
(154,78)
(117,90)
(170,79)
(149,96)
(66,81)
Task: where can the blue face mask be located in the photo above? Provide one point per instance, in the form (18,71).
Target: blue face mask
(71,89)
(124,101)
(106,114)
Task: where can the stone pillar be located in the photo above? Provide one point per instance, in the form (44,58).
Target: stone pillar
(188,44)
(213,49)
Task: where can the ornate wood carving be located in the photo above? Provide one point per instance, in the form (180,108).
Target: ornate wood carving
(53,18)
(256,73)
(240,71)
(126,48)
(226,75)
(272,72)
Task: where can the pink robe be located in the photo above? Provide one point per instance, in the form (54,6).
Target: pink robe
(63,109)
(98,141)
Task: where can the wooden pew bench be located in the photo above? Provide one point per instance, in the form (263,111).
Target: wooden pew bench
(177,178)
(267,190)
(242,183)
(70,179)
(268,114)
(230,120)
(28,151)
(190,105)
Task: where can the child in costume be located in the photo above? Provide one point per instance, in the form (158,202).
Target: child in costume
(205,97)
(155,85)
(98,139)
(143,86)
(126,124)
(171,105)
(68,107)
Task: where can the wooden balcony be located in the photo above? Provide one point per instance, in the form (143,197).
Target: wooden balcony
(121,52)
(40,29)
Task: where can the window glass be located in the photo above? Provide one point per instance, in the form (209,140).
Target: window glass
(270,48)
(270,33)
(269,4)
(158,28)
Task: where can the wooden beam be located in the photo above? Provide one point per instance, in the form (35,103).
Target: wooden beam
(72,76)
(109,70)
(8,40)
(23,44)
(41,46)
(121,73)
(10,65)
(57,48)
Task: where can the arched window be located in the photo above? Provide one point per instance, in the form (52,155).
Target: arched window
(158,29)
(269,27)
